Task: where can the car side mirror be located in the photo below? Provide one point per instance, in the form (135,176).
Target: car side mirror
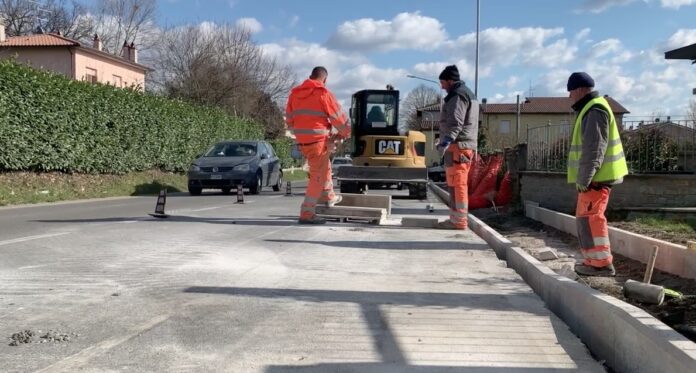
(264,156)
(199,155)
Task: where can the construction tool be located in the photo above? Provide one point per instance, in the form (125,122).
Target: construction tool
(645,292)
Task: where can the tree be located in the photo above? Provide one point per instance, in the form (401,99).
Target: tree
(125,21)
(418,98)
(692,111)
(221,65)
(24,17)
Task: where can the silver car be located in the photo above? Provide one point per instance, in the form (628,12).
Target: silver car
(252,164)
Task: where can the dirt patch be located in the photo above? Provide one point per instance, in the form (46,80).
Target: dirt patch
(532,236)
(679,238)
(30,336)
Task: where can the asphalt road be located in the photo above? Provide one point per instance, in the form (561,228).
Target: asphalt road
(231,287)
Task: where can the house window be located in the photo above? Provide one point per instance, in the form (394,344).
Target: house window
(91,75)
(117,81)
(504,126)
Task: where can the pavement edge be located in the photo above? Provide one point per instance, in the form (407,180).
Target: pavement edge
(627,338)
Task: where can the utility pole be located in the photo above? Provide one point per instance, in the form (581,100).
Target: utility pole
(478,21)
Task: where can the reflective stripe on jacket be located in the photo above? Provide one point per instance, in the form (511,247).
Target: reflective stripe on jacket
(311,112)
(613,165)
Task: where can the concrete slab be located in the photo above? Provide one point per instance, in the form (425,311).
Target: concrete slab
(349,212)
(626,337)
(366,200)
(419,222)
(544,253)
(673,258)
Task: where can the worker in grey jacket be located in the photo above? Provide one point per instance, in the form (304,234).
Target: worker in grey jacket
(458,141)
(595,163)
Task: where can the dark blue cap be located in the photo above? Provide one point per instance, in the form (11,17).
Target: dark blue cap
(580,79)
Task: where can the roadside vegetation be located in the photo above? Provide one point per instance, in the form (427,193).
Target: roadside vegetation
(673,230)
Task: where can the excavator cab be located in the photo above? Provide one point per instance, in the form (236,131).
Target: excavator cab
(382,153)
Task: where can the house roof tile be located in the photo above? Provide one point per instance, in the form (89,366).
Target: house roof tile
(536,105)
(39,40)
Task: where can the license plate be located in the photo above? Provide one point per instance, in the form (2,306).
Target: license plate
(215,177)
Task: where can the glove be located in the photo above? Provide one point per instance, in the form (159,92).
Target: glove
(580,188)
(444,143)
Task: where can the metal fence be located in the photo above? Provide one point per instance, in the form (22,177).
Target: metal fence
(650,147)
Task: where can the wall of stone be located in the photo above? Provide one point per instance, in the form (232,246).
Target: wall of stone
(551,190)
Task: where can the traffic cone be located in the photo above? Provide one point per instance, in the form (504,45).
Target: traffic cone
(159,207)
(240,193)
(288,189)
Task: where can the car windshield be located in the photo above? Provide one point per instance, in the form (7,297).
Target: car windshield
(231,150)
(341,161)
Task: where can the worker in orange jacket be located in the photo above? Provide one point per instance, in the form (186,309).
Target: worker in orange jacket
(311,113)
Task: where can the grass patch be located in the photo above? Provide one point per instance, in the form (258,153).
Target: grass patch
(30,187)
(297,175)
(677,230)
(673,226)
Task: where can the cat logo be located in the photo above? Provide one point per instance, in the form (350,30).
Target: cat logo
(390,147)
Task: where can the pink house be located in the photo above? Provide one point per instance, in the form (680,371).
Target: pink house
(69,57)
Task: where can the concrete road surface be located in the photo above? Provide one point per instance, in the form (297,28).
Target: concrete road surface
(225,287)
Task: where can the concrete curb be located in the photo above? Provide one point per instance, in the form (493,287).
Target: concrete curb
(626,337)
(673,258)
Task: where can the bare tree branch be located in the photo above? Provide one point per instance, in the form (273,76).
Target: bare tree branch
(125,21)
(221,65)
(419,97)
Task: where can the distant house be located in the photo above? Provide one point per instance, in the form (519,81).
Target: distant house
(69,57)
(498,121)
(684,132)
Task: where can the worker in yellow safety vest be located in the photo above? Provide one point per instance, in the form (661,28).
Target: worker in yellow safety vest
(596,162)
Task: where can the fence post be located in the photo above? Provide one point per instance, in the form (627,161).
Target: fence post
(548,144)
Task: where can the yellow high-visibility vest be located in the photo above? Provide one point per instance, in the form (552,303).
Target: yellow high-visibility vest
(614,165)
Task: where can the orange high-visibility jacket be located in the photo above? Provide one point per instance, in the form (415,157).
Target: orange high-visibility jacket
(311,112)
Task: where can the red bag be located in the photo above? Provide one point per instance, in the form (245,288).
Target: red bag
(504,196)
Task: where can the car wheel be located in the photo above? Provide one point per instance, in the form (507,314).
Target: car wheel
(226,190)
(256,189)
(195,191)
(279,184)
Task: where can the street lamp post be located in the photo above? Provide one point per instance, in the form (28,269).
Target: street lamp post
(432,136)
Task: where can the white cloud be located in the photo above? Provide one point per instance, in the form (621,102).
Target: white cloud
(467,71)
(531,46)
(598,6)
(676,4)
(405,31)
(293,20)
(680,39)
(582,34)
(303,56)
(251,24)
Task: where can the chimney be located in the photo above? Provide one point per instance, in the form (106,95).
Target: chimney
(97,43)
(133,53)
(2,29)
(125,51)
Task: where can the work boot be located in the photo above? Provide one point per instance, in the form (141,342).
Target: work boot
(332,202)
(315,220)
(447,224)
(585,270)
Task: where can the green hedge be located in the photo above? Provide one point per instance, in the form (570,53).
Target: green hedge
(51,123)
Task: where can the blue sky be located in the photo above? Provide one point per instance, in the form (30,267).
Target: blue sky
(537,43)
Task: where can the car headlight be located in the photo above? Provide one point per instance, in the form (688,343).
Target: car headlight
(194,168)
(241,167)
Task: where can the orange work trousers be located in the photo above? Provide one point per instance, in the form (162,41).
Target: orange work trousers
(320,187)
(457,164)
(593,232)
